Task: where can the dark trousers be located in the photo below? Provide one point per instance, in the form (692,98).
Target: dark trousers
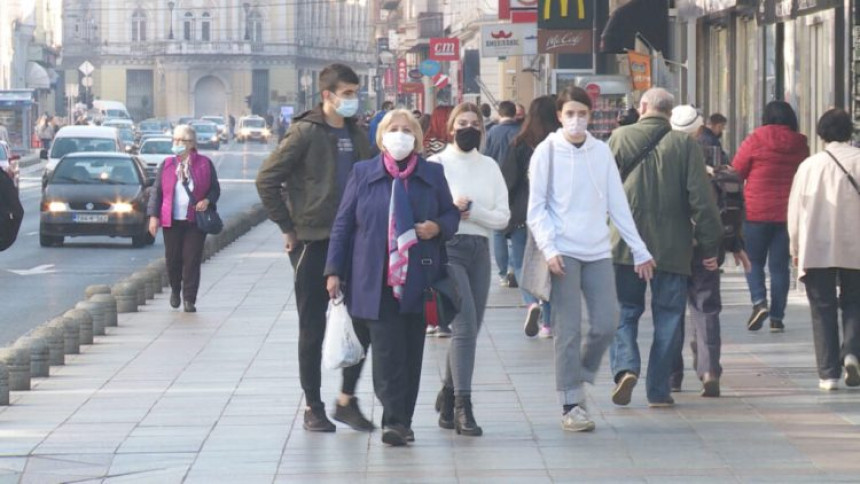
(398,350)
(825,305)
(183,250)
(308,260)
(705,303)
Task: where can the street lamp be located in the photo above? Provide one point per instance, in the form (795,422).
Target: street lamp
(247,6)
(306,81)
(170,5)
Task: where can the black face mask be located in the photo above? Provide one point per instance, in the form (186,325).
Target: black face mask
(468,138)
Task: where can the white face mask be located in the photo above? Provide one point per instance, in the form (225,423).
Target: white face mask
(398,144)
(576,126)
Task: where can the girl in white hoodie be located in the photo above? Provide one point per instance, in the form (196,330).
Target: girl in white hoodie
(574,185)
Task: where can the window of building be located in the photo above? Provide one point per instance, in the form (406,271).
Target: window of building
(138,26)
(188,26)
(206,28)
(256,25)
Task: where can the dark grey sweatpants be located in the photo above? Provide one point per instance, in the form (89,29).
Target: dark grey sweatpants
(469,266)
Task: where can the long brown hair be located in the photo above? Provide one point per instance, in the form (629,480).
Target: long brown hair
(541,120)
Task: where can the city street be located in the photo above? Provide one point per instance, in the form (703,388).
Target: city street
(40,283)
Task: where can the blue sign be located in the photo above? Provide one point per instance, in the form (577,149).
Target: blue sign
(430,68)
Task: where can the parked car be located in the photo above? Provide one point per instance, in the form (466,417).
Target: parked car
(220,123)
(96,194)
(153,151)
(9,162)
(207,135)
(73,139)
(128,142)
(252,128)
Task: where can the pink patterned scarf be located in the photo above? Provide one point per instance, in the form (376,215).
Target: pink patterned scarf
(401,223)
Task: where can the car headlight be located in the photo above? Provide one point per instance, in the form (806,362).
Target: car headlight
(245,132)
(58,207)
(266,132)
(121,207)
(215,138)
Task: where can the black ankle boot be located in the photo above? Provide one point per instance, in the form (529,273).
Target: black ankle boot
(464,420)
(445,407)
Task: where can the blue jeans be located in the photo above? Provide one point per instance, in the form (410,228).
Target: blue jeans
(518,248)
(500,252)
(767,242)
(668,302)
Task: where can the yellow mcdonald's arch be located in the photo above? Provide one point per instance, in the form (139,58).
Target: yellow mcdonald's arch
(547,9)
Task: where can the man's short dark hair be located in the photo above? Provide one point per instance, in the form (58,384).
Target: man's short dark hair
(716,119)
(387,106)
(335,74)
(507,109)
(572,93)
(835,125)
(486,111)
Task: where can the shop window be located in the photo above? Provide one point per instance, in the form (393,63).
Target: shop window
(138,26)
(188,26)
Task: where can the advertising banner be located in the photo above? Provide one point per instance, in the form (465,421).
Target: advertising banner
(508,40)
(566,14)
(640,70)
(445,49)
(565,41)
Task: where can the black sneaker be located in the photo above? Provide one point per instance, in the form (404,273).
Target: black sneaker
(410,435)
(759,314)
(710,386)
(351,415)
(395,435)
(512,281)
(776,326)
(190,307)
(174,300)
(316,420)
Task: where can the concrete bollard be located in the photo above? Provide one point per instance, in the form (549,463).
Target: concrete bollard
(155,279)
(139,287)
(126,297)
(91,291)
(146,283)
(161,266)
(4,384)
(17,360)
(71,334)
(108,303)
(97,313)
(56,346)
(39,354)
(85,324)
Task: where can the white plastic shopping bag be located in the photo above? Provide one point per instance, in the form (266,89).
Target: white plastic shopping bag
(341,347)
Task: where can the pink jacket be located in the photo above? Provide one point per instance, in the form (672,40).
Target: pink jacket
(205,186)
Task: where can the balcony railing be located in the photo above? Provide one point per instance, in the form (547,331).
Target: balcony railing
(184,47)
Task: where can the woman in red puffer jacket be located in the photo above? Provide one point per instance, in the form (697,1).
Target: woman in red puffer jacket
(767,160)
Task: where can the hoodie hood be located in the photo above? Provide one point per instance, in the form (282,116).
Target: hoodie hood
(590,141)
(776,138)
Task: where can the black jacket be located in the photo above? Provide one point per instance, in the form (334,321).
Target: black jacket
(515,169)
(11,211)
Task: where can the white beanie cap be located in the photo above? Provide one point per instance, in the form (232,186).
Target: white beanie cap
(685,118)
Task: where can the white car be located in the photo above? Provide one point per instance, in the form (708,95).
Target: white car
(153,151)
(252,128)
(74,139)
(220,123)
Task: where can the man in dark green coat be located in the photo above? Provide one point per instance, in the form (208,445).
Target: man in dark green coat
(670,197)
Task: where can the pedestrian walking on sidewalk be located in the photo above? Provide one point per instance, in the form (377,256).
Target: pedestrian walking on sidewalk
(541,120)
(574,186)
(483,208)
(704,301)
(45,131)
(436,138)
(767,161)
(823,226)
(170,207)
(664,177)
(387,248)
(311,167)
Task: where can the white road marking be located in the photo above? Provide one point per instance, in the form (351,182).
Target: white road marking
(35,271)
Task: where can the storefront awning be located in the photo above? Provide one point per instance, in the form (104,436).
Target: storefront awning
(644,17)
(37,77)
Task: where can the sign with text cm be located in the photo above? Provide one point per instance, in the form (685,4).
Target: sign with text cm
(566,14)
(445,49)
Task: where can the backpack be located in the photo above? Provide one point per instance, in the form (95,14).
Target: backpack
(11,211)
(729,191)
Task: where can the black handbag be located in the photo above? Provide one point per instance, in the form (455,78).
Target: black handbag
(441,298)
(208,220)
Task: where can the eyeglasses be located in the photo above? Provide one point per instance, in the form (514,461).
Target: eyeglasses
(177,140)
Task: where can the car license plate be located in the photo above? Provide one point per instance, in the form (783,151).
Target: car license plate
(89,218)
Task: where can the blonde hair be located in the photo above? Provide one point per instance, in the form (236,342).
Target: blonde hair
(183,130)
(461,108)
(413,123)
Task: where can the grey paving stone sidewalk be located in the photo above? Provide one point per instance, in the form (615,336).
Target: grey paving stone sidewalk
(214,397)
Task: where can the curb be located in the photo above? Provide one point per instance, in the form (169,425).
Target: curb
(32,355)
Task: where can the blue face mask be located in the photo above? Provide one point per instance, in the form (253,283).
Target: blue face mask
(178,149)
(347,107)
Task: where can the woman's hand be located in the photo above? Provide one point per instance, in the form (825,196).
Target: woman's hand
(202,205)
(645,271)
(153,226)
(462,203)
(556,265)
(741,258)
(332,285)
(427,230)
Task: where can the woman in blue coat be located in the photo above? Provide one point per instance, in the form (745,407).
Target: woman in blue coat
(386,249)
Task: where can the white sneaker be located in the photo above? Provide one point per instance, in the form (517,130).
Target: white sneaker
(577,420)
(829,384)
(852,371)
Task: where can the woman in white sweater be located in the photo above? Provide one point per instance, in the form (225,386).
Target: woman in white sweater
(479,191)
(574,185)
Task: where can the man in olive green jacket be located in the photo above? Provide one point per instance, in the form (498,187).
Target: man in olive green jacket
(670,197)
(300,185)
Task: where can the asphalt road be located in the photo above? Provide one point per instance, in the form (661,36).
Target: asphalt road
(37,284)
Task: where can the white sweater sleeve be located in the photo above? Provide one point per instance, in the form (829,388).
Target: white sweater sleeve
(538,218)
(496,216)
(619,213)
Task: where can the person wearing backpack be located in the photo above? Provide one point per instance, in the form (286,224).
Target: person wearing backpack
(11,211)
(703,287)
(823,224)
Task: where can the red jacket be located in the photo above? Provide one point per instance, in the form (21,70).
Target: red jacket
(767,160)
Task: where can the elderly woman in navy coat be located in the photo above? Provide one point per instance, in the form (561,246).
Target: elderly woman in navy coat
(386,248)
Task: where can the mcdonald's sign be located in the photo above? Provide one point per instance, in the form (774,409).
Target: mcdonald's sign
(566,14)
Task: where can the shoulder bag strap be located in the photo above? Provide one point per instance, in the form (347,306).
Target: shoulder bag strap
(643,154)
(850,178)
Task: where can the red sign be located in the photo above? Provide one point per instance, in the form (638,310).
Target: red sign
(411,88)
(518,11)
(440,81)
(565,42)
(445,49)
(402,74)
(389,78)
(593,91)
